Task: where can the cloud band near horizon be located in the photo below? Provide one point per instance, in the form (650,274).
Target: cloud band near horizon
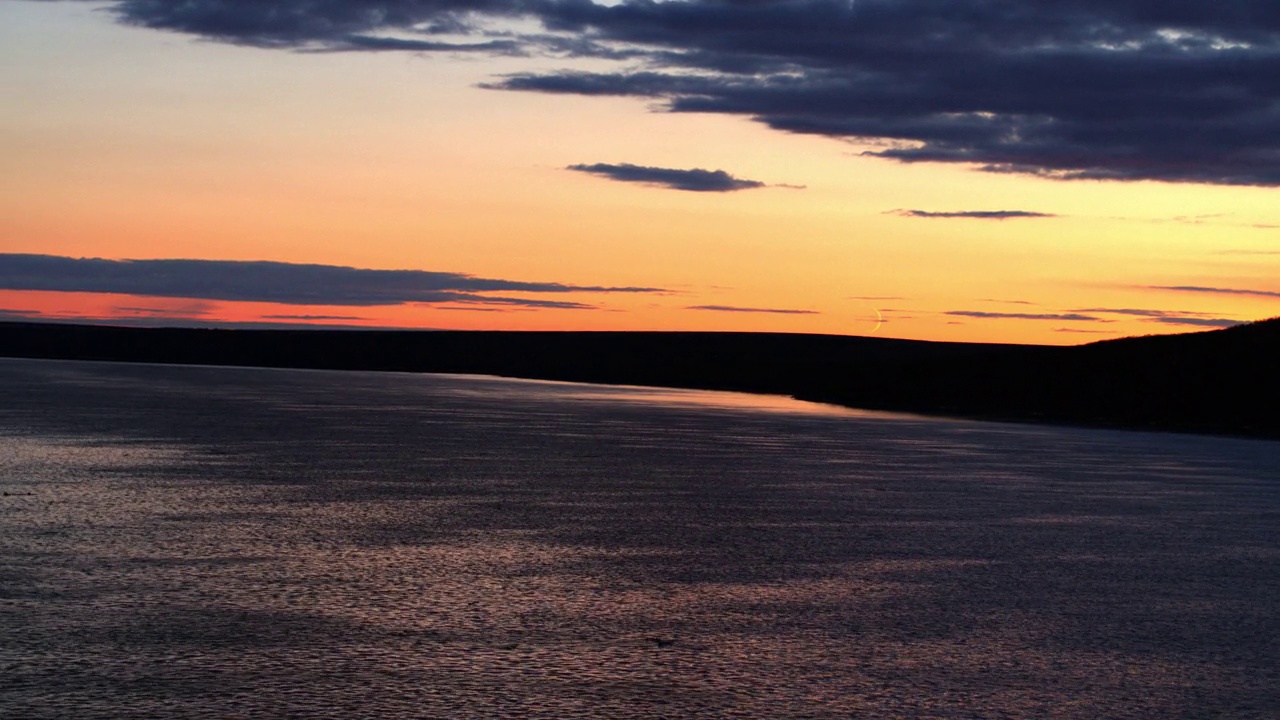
(1163,317)
(278,282)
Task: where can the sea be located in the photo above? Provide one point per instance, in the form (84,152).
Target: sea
(205,542)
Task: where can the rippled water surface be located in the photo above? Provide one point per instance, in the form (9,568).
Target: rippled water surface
(217,542)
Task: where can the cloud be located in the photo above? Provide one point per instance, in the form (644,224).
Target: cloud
(875,297)
(1077,89)
(732,309)
(277,282)
(1164,317)
(1214,219)
(1216,290)
(190,308)
(1197,219)
(1024,316)
(370,25)
(973,214)
(468,299)
(1140,312)
(1197,321)
(311,317)
(695,180)
(1167,317)
(463,308)
(157,321)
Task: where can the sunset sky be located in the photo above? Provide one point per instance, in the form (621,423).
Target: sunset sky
(977,170)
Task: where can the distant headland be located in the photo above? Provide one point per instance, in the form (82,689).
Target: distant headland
(1219,382)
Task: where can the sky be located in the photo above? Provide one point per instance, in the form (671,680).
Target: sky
(968,170)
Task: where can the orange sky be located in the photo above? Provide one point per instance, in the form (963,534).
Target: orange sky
(126,143)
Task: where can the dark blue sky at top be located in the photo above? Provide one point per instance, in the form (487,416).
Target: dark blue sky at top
(1170,90)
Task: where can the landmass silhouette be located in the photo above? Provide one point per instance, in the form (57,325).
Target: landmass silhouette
(1219,381)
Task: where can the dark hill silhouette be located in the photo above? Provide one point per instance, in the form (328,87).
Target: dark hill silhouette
(1221,381)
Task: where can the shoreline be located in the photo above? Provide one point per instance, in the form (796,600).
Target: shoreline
(1215,383)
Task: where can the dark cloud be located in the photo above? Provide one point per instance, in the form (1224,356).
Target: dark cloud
(696,180)
(185,308)
(1196,321)
(1167,317)
(732,309)
(1217,291)
(161,321)
(1141,312)
(1100,89)
(276,282)
(477,309)
(191,311)
(973,214)
(1164,317)
(311,317)
(471,299)
(414,25)
(1169,90)
(1024,316)
(364,42)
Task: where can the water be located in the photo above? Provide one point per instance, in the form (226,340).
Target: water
(216,542)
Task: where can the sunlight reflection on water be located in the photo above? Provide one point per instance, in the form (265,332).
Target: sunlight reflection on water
(219,542)
(668,397)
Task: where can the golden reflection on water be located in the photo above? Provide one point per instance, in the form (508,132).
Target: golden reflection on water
(692,398)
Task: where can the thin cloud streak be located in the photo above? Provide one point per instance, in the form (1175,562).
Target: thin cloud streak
(973,214)
(1139,312)
(311,317)
(1024,316)
(734,309)
(1216,290)
(466,299)
(1197,321)
(1164,317)
(695,180)
(20,314)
